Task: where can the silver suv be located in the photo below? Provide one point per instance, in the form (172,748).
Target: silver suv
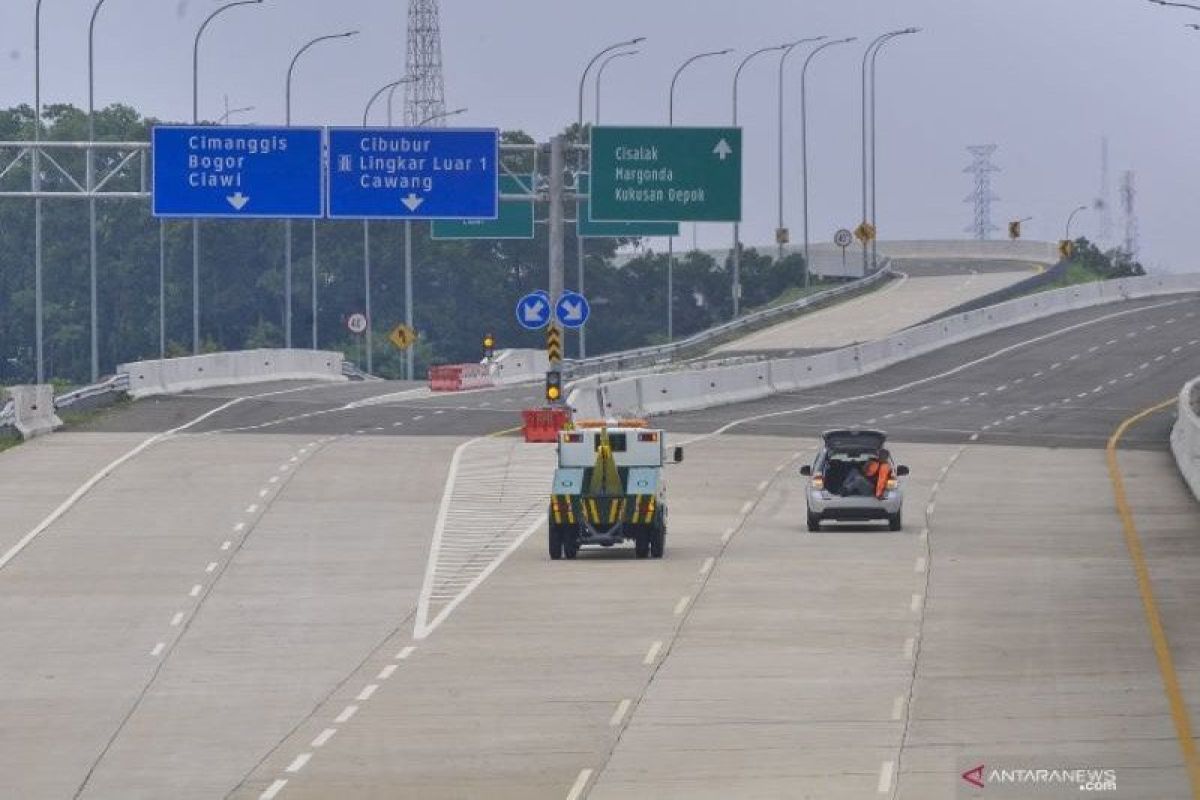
(835,493)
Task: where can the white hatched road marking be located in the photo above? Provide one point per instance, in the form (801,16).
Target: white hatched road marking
(494,499)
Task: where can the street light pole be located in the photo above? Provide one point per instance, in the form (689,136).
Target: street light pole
(1175,5)
(600,75)
(874,220)
(804,145)
(1071,219)
(737,243)
(91,185)
(196,121)
(579,254)
(39,359)
(671,239)
(787,51)
(287,223)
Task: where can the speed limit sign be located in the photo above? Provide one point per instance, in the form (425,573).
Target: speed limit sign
(357,323)
(843,238)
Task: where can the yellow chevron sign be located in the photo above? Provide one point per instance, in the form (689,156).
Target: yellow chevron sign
(554,344)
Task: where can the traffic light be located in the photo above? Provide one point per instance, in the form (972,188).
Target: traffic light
(489,346)
(1014,229)
(1066,249)
(554,390)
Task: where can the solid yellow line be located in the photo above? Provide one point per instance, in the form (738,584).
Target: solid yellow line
(1166,667)
(507,431)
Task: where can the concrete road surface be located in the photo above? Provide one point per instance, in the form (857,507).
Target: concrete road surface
(234,612)
(925,289)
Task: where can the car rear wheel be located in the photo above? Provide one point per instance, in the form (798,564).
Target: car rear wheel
(894,522)
(814,522)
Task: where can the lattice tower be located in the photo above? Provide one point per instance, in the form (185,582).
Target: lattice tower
(982,168)
(426,96)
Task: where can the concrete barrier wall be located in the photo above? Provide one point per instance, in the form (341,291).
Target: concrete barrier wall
(33,410)
(1185,437)
(686,390)
(519,366)
(175,375)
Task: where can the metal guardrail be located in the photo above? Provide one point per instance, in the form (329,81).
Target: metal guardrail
(355,374)
(117,384)
(658,355)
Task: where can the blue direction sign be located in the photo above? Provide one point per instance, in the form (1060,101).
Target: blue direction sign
(413,173)
(227,171)
(572,310)
(533,311)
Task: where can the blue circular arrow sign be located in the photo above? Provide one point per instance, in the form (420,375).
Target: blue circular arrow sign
(533,311)
(572,310)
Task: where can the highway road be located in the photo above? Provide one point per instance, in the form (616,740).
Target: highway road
(315,591)
(926,287)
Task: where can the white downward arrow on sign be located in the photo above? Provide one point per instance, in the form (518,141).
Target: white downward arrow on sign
(723,150)
(573,312)
(238,201)
(534,312)
(412,202)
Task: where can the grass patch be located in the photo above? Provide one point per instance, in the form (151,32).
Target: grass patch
(794,293)
(9,440)
(1076,274)
(75,419)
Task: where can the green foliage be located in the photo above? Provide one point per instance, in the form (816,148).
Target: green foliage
(461,289)
(1115,263)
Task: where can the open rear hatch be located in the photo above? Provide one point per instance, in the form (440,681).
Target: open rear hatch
(854,442)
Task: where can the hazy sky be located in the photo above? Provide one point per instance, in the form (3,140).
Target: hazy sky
(1043,79)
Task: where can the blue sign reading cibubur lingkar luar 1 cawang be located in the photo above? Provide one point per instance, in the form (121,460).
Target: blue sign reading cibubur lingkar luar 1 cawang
(413,173)
(231,172)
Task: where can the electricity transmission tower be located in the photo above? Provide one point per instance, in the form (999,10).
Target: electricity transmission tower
(424,98)
(1103,203)
(982,168)
(1128,205)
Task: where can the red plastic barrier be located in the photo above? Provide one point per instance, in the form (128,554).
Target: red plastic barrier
(543,424)
(457,377)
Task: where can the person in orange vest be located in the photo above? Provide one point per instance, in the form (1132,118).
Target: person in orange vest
(879,469)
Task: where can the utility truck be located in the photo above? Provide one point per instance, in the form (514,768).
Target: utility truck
(609,488)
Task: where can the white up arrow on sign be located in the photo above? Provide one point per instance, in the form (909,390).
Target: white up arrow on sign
(723,150)
(412,202)
(238,201)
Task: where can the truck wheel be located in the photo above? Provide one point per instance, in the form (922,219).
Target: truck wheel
(556,545)
(641,543)
(894,522)
(814,522)
(658,542)
(570,544)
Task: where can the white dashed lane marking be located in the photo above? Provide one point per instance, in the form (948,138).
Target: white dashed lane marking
(619,714)
(196,589)
(386,672)
(323,737)
(158,648)
(367,691)
(707,565)
(178,618)
(347,713)
(273,790)
(652,653)
(298,762)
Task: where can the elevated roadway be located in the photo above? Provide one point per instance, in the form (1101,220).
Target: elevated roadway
(277,602)
(926,287)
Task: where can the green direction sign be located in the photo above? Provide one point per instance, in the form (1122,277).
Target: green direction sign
(589,229)
(514,222)
(667,174)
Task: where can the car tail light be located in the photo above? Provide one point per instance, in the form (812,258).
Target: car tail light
(818,482)
(648,437)
(892,483)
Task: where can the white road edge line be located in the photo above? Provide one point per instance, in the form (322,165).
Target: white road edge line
(104,472)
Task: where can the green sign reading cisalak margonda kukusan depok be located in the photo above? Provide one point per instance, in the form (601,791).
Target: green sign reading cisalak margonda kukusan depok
(666,174)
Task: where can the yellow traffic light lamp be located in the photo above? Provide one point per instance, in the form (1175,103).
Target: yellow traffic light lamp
(554,389)
(489,346)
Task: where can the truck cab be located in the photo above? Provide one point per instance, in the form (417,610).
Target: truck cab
(609,488)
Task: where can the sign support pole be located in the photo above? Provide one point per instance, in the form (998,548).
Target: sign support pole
(409,355)
(557,229)
(367,292)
